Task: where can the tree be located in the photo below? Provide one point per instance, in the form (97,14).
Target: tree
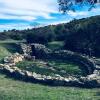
(67,5)
(85,37)
(41,35)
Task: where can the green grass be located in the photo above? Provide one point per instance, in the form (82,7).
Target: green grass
(3,52)
(55,45)
(17,90)
(11,41)
(7,48)
(60,67)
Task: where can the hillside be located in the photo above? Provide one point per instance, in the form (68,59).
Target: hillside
(78,36)
(85,34)
(16,90)
(59,31)
(8,47)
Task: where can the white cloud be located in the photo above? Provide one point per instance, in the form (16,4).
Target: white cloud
(19,26)
(29,8)
(28,18)
(77,13)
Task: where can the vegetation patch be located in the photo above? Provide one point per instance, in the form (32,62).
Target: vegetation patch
(55,45)
(16,90)
(3,52)
(51,67)
(8,47)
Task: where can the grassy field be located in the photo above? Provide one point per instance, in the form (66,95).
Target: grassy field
(55,45)
(3,52)
(17,90)
(51,67)
(11,41)
(8,47)
(11,89)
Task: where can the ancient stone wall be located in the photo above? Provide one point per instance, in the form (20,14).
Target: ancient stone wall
(92,80)
(89,81)
(13,59)
(87,63)
(40,51)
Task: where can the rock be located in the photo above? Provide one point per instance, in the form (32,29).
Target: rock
(48,77)
(1,66)
(66,80)
(35,75)
(28,74)
(26,48)
(13,58)
(97,72)
(29,57)
(7,69)
(20,72)
(92,76)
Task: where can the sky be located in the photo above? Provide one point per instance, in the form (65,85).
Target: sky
(23,14)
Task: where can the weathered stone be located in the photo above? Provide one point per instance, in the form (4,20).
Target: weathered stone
(1,66)
(28,74)
(92,80)
(13,58)
(8,69)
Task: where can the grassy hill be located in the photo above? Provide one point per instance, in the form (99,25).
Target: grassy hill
(8,47)
(11,89)
(3,52)
(16,90)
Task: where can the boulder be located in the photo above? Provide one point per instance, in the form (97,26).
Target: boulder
(14,58)
(8,69)
(28,74)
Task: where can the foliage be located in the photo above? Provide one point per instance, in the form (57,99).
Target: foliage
(41,35)
(81,35)
(55,45)
(85,37)
(67,5)
(51,67)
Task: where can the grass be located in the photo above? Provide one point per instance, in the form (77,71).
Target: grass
(3,52)
(7,48)
(55,45)
(17,90)
(11,41)
(11,89)
(59,67)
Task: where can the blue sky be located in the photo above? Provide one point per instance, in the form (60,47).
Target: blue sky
(23,14)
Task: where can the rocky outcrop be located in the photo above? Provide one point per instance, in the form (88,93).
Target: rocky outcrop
(40,51)
(13,59)
(26,48)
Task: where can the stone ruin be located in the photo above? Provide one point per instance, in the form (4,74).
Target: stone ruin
(13,59)
(91,80)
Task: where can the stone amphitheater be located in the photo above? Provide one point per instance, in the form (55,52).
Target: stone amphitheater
(91,64)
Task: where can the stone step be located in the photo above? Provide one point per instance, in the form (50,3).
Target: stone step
(97,67)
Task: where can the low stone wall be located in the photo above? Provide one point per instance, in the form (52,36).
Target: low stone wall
(13,59)
(92,80)
(89,81)
(87,63)
(40,51)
